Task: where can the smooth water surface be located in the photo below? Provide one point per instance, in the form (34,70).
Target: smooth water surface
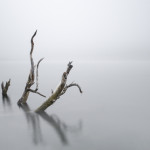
(112,113)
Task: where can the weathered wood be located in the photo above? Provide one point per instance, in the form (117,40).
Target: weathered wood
(61,89)
(5,87)
(31,76)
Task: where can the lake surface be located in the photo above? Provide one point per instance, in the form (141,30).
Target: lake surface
(113,113)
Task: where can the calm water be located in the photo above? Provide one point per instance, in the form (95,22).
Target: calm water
(113,113)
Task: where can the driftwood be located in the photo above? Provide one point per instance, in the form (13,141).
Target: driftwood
(31,77)
(61,89)
(5,88)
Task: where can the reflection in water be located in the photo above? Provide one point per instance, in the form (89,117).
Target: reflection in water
(6,101)
(60,127)
(33,121)
(56,124)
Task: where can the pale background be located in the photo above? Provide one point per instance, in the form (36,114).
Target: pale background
(108,40)
(84,30)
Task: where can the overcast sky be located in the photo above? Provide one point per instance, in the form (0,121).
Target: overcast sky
(75,29)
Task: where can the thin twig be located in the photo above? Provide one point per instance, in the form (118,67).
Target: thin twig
(35,91)
(5,87)
(68,86)
(37,73)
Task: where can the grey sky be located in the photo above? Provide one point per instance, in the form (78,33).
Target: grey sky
(75,29)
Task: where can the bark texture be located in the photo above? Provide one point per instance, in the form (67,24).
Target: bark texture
(31,76)
(61,89)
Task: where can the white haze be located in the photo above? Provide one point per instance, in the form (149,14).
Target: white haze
(84,30)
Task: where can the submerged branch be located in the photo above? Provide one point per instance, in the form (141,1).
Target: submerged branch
(61,89)
(31,77)
(5,87)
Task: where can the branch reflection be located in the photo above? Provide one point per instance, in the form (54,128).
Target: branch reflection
(34,122)
(59,126)
(56,124)
(6,101)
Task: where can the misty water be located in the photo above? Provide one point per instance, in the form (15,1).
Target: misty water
(113,113)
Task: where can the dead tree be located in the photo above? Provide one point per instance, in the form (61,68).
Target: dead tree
(60,90)
(5,88)
(31,77)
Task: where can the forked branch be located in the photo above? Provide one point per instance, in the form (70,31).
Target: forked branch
(60,90)
(68,86)
(31,77)
(5,87)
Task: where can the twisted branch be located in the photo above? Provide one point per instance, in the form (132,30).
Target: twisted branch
(31,77)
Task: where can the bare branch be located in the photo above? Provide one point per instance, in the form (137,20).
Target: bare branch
(35,91)
(32,43)
(69,67)
(60,90)
(31,59)
(2,86)
(31,76)
(68,86)
(74,84)
(5,88)
(37,73)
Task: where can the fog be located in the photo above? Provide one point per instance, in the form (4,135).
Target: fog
(112,38)
(84,30)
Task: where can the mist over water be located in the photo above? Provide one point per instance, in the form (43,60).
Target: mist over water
(75,30)
(112,113)
(109,44)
